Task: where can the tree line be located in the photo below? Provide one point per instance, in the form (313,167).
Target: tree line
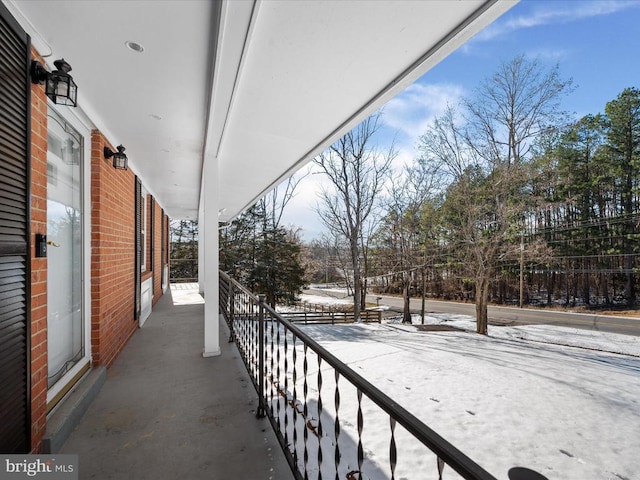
(183,251)
(511,200)
(261,253)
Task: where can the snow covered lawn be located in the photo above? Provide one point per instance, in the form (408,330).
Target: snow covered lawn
(560,401)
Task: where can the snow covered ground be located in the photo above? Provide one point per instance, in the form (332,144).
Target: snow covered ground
(560,401)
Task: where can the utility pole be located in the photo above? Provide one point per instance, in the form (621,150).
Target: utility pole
(424,280)
(521,270)
(424,292)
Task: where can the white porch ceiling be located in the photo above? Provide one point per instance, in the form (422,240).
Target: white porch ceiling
(261,86)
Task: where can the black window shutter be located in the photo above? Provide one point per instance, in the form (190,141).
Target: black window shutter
(15,262)
(163,240)
(138,249)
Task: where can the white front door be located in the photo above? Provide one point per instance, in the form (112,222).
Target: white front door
(68,329)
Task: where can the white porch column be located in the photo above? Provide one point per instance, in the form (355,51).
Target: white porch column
(211,262)
(201,240)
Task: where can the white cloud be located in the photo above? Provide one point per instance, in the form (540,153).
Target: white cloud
(405,117)
(405,157)
(553,55)
(562,13)
(301,211)
(412,111)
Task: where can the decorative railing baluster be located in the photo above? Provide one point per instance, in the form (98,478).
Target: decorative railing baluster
(231,302)
(440,468)
(319,427)
(294,401)
(305,412)
(272,381)
(360,423)
(278,382)
(245,335)
(254,341)
(260,354)
(393,459)
(266,356)
(336,425)
(286,389)
(253,337)
(242,306)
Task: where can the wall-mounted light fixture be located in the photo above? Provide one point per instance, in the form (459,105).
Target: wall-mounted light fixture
(119,158)
(60,87)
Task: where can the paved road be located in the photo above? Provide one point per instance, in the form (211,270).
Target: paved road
(516,316)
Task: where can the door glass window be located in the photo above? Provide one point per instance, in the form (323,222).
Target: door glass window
(64,248)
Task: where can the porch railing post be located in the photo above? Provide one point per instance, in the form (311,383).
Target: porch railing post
(261,409)
(232,309)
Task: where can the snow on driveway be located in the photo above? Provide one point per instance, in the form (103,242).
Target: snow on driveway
(520,397)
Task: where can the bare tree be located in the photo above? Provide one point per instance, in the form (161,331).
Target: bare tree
(401,234)
(356,171)
(486,160)
(518,104)
(368,232)
(337,259)
(273,204)
(445,154)
(482,214)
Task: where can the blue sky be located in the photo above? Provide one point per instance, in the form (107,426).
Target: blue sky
(595,43)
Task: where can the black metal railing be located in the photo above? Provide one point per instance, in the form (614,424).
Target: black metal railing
(184,270)
(330,421)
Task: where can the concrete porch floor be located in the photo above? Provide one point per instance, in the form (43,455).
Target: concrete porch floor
(167,412)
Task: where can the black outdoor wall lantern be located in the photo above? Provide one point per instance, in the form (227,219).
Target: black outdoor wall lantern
(119,158)
(60,87)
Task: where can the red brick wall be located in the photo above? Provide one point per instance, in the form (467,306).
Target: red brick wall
(112,255)
(38,265)
(112,258)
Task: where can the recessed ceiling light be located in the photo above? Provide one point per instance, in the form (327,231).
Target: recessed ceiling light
(136,47)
